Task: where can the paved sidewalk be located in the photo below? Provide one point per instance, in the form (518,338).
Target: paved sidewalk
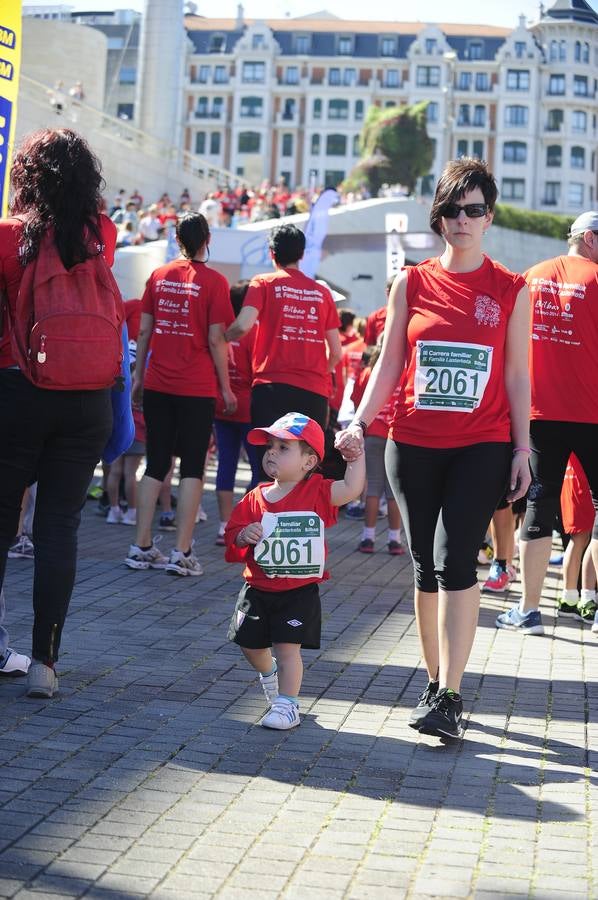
(147,777)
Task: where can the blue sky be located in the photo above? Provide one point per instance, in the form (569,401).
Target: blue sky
(490,12)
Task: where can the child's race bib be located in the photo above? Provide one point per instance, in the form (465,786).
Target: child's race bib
(292,545)
(451,376)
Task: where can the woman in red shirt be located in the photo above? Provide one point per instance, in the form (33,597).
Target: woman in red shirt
(185,309)
(456,336)
(53,436)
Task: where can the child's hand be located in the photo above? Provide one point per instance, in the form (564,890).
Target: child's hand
(251,534)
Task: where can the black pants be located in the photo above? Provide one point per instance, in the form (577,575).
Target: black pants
(446,498)
(55,438)
(271,401)
(552,443)
(177,426)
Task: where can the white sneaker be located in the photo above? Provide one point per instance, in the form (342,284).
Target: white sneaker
(595,625)
(14,663)
(282,715)
(179,564)
(130,517)
(269,684)
(201,516)
(146,559)
(115,515)
(22,548)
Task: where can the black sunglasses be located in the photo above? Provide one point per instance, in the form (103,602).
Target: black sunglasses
(471,210)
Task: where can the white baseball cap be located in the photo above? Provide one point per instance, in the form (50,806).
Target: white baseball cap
(587,221)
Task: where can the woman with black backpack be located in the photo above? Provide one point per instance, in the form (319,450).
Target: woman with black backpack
(60,350)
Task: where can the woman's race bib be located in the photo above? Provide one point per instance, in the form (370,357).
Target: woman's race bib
(451,376)
(292,545)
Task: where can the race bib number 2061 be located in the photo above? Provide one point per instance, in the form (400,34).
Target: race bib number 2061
(293,547)
(451,376)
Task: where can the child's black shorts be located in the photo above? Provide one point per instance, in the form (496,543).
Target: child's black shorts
(263,618)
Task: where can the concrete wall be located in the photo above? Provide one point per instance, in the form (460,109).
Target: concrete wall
(517,250)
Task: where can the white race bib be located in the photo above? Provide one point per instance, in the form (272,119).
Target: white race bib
(292,546)
(451,376)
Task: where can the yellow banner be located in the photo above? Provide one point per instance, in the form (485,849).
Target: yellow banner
(10,64)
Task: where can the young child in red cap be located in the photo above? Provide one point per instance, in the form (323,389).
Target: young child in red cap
(277,530)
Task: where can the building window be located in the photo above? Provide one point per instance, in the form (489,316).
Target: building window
(292,75)
(431,46)
(563,51)
(482,81)
(554,156)
(217,106)
(220,75)
(204,74)
(463,116)
(334,77)
(315,144)
(580,85)
(464,81)
(201,108)
(461,148)
(578,158)
(556,84)
(552,193)
(251,107)
(478,149)
(516,116)
(349,77)
(356,150)
(338,109)
(475,50)
(200,142)
(582,52)
(520,49)
(513,189)
(125,111)
(359,107)
(217,43)
(575,194)
(317,109)
(287,145)
(215,143)
(479,116)
(555,120)
(432,112)
(387,47)
(518,79)
(514,152)
(127,75)
(249,142)
(257,42)
(336,145)
(333,177)
(391,78)
(288,112)
(579,121)
(345,46)
(302,44)
(254,72)
(554,51)
(428,76)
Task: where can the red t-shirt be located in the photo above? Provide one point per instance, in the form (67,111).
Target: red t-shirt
(564,345)
(380,426)
(452,388)
(352,357)
(240,373)
(295,312)
(133,318)
(185,298)
(374,326)
(337,386)
(11,270)
(577,508)
(311,495)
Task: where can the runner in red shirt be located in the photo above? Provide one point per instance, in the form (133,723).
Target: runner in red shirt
(186,308)
(456,335)
(578,517)
(564,407)
(297,343)
(277,530)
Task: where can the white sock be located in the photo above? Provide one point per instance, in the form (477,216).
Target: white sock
(570,595)
(368,534)
(115,509)
(393,534)
(588,596)
(222,527)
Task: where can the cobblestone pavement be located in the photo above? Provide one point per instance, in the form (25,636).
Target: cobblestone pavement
(147,775)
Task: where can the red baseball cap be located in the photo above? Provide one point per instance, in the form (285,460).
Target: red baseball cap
(292,426)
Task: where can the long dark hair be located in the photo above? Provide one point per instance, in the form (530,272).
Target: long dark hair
(193,232)
(57,182)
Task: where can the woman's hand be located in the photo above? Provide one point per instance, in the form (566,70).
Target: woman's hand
(349,442)
(137,392)
(521,476)
(230,402)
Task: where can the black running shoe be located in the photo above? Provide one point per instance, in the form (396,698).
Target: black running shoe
(444,717)
(423,707)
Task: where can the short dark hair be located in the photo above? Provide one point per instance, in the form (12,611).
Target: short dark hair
(458,178)
(237,294)
(192,231)
(347,317)
(287,243)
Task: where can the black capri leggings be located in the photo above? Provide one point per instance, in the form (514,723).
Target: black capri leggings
(552,443)
(177,426)
(446,498)
(271,401)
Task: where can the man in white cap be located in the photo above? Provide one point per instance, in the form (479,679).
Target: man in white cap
(564,410)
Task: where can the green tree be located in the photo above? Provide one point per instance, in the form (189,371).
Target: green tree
(395,148)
